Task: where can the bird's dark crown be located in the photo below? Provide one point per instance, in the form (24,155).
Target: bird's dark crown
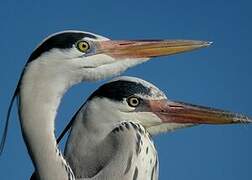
(61,40)
(119,89)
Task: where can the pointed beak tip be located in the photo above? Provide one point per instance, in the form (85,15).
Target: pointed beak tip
(208,43)
(204,43)
(243,119)
(249,120)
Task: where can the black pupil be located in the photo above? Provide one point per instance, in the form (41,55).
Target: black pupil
(134,101)
(84,45)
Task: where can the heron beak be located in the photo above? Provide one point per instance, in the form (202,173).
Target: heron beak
(179,112)
(143,49)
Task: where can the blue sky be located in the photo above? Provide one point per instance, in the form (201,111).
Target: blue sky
(218,76)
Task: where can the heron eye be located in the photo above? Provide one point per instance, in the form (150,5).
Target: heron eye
(133,101)
(82,46)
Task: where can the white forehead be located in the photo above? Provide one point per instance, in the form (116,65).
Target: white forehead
(155,92)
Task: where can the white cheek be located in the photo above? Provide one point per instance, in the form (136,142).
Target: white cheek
(166,127)
(96,60)
(146,119)
(103,66)
(67,54)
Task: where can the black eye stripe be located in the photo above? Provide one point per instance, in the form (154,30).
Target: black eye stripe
(62,41)
(119,90)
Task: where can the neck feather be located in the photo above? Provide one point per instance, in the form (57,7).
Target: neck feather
(88,147)
(40,96)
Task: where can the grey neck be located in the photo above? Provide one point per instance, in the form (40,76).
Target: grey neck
(88,148)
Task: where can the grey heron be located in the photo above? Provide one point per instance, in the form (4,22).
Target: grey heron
(61,61)
(110,137)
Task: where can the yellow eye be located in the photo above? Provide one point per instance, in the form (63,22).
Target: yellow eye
(133,101)
(82,46)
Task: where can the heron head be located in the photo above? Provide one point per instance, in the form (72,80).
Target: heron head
(84,56)
(133,99)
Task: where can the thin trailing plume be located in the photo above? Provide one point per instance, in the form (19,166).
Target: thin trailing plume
(6,124)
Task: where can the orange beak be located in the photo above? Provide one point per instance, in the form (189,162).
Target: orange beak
(143,49)
(178,112)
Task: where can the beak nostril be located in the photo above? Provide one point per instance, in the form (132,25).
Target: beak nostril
(126,43)
(176,107)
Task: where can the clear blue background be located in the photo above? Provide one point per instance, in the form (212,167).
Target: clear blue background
(218,76)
